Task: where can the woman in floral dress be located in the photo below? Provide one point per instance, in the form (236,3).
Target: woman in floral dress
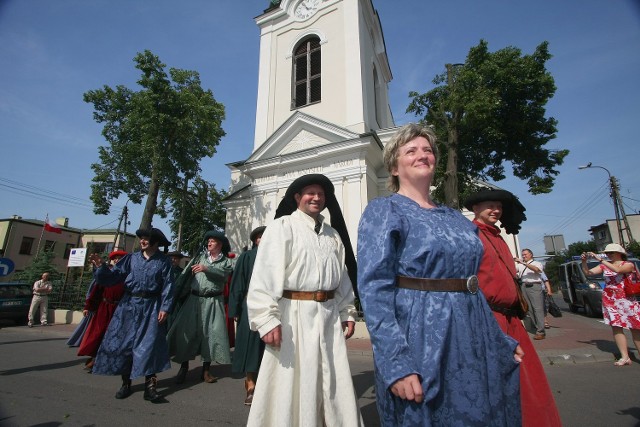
(618,310)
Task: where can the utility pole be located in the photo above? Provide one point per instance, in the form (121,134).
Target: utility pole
(123,217)
(617,205)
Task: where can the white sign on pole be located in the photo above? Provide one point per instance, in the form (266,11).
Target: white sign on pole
(77,257)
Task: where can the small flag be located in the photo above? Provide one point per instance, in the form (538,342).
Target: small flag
(52,226)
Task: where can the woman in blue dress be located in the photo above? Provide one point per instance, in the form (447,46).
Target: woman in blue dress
(440,357)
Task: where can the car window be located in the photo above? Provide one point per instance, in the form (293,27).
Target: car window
(15,291)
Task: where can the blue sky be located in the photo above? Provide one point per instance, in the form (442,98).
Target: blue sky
(54,51)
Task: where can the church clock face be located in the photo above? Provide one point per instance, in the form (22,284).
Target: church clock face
(306,8)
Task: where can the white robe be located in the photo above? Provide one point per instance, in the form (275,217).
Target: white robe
(307,382)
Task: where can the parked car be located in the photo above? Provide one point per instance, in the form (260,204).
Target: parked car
(15,301)
(581,291)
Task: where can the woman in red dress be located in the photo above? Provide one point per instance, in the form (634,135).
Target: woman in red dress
(496,276)
(618,310)
(103,302)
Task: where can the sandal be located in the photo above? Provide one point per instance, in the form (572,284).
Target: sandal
(622,362)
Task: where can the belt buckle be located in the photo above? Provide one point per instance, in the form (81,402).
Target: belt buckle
(320,296)
(472,284)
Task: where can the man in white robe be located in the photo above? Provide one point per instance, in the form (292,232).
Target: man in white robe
(300,300)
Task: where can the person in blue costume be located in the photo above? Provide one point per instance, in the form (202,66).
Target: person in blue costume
(135,343)
(440,358)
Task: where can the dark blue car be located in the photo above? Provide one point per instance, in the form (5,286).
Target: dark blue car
(15,300)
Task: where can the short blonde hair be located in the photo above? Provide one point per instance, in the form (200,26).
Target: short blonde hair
(405,134)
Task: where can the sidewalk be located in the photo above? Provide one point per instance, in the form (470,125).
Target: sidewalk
(572,339)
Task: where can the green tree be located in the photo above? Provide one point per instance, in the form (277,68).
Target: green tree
(490,111)
(634,248)
(157,135)
(41,263)
(577,248)
(199,209)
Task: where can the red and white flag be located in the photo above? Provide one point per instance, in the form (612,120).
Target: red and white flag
(51,226)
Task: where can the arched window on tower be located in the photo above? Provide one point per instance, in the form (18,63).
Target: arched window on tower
(306,73)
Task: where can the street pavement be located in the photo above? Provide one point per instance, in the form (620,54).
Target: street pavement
(43,384)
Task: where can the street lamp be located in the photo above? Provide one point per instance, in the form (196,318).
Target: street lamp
(617,203)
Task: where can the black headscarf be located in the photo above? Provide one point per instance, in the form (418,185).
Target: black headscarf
(288,205)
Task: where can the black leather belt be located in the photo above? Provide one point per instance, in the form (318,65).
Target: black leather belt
(209,294)
(504,310)
(144,294)
(439,285)
(110,301)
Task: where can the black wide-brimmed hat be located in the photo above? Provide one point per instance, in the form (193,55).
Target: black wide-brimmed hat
(219,235)
(512,210)
(257,232)
(154,235)
(176,254)
(288,205)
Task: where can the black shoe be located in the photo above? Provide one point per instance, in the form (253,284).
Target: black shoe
(124,392)
(182,374)
(150,392)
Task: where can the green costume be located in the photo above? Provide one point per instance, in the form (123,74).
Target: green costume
(247,354)
(200,324)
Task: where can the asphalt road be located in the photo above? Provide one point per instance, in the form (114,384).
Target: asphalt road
(42,383)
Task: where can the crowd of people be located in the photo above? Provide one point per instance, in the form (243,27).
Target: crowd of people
(443,298)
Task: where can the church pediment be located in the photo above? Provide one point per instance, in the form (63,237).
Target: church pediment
(300,132)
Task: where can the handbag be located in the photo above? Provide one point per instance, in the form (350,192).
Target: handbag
(554,310)
(631,283)
(521,307)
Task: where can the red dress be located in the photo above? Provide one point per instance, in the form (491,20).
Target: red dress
(496,281)
(103,301)
(617,309)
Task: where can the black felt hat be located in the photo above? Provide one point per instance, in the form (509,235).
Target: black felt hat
(512,210)
(257,232)
(219,235)
(288,205)
(176,254)
(155,236)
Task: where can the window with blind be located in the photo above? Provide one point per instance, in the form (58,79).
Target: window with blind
(306,73)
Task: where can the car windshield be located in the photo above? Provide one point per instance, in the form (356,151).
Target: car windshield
(13,291)
(593,264)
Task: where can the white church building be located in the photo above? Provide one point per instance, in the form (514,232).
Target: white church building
(322,107)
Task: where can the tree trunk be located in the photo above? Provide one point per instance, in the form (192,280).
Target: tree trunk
(152,201)
(451,174)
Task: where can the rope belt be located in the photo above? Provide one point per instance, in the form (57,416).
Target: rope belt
(208,294)
(143,294)
(318,296)
(439,285)
(40,295)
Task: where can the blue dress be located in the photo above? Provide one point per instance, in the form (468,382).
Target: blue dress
(76,337)
(451,340)
(134,337)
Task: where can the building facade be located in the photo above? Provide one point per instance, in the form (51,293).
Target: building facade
(21,239)
(322,107)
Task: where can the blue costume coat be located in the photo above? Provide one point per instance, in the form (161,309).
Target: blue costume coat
(134,335)
(449,339)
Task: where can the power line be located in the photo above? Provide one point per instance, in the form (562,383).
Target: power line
(47,195)
(580,211)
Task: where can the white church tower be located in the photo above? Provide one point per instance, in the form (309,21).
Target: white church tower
(322,107)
